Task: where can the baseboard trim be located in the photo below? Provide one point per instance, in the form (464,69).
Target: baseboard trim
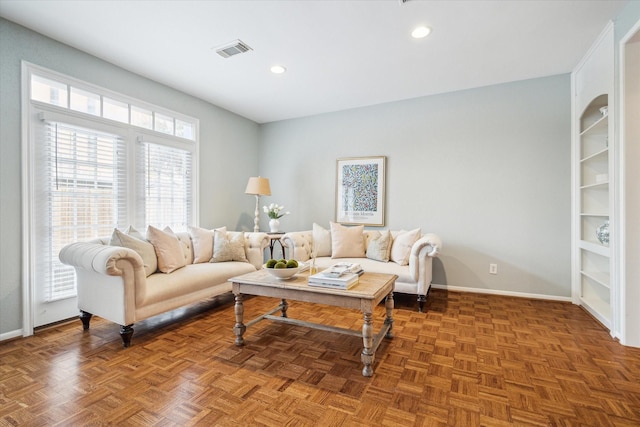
(10,335)
(503,293)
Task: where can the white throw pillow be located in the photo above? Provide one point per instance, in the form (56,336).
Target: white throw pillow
(141,246)
(321,241)
(228,246)
(379,246)
(347,242)
(168,249)
(202,243)
(401,247)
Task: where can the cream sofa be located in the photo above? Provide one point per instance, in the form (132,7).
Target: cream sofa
(123,285)
(413,253)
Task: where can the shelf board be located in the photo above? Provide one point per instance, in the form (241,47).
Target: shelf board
(598,215)
(594,155)
(598,277)
(600,124)
(595,247)
(599,309)
(598,185)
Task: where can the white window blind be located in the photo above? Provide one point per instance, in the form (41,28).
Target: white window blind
(164,194)
(80,194)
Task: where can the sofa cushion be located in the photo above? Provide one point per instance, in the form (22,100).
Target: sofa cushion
(228,246)
(321,241)
(401,246)
(168,248)
(347,242)
(379,246)
(202,243)
(191,278)
(138,244)
(186,244)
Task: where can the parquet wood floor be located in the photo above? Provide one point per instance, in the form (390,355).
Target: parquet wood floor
(469,360)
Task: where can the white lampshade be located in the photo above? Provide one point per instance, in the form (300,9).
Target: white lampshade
(258,186)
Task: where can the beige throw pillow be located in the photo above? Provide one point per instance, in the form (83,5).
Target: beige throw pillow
(321,241)
(202,243)
(142,247)
(379,246)
(168,249)
(401,247)
(347,242)
(228,246)
(130,231)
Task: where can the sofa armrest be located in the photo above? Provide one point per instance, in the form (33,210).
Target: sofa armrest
(420,260)
(431,241)
(299,244)
(256,244)
(107,279)
(100,258)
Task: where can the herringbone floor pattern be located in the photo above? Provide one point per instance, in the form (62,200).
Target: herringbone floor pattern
(470,360)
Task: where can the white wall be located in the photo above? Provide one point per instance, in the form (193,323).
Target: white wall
(228,148)
(629,106)
(487,169)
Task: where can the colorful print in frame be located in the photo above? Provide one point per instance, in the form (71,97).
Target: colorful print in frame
(360,190)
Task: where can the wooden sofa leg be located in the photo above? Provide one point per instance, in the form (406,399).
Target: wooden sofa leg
(86,318)
(421,300)
(126,332)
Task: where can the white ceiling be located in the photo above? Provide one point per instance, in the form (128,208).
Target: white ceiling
(339,54)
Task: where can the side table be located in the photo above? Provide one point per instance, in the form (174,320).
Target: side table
(273,238)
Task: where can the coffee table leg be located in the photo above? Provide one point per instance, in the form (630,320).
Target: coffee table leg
(239,328)
(389,320)
(367,339)
(283,307)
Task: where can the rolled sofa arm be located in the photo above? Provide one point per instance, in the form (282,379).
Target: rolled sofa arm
(420,263)
(427,240)
(256,243)
(100,258)
(299,244)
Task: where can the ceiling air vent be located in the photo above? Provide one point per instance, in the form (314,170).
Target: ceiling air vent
(233,48)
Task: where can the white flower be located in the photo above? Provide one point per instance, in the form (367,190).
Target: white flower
(273,211)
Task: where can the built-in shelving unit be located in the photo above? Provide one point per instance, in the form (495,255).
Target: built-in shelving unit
(594,180)
(594,201)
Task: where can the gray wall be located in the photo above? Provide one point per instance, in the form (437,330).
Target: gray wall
(228,147)
(487,169)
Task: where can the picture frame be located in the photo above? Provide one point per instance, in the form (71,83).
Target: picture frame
(360,190)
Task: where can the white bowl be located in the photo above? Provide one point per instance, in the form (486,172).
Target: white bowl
(282,273)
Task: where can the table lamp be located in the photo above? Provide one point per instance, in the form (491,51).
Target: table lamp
(258,186)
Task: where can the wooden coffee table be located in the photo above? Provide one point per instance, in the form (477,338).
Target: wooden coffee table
(370,290)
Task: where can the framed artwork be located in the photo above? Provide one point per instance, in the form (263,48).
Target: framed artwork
(360,190)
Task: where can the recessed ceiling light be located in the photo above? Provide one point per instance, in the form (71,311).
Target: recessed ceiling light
(420,32)
(278,69)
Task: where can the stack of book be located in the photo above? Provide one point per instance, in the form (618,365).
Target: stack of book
(339,276)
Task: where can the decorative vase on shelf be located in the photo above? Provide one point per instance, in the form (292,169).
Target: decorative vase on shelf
(274,225)
(602,232)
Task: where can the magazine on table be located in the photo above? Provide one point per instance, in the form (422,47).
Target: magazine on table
(337,270)
(345,281)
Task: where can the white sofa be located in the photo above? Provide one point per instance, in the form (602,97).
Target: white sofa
(114,281)
(413,278)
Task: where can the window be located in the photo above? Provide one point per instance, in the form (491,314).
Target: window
(115,110)
(164,185)
(98,160)
(48,91)
(80,193)
(85,102)
(54,90)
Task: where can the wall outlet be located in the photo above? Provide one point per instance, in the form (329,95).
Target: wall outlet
(493,268)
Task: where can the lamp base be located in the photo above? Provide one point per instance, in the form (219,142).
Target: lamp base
(256,220)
